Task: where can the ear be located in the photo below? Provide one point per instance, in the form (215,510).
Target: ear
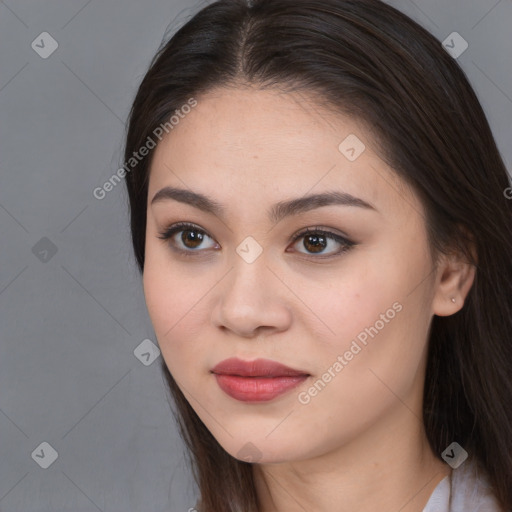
(455,276)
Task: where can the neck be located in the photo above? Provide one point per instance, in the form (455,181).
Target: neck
(385,468)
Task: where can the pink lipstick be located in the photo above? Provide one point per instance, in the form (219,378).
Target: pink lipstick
(256,381)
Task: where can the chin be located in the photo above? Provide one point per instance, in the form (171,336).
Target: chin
(263,451)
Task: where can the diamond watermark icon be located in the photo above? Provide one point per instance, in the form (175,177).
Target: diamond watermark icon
(455,45)
(44,249)
(45,455)
(454,455)
(44,45)
(351,147)
(249,453)
(146,352)
(249,249)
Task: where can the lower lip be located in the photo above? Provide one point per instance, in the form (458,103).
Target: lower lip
(257,389)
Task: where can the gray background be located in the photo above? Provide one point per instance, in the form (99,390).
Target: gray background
(72,311)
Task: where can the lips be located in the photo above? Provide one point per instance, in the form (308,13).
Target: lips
(256,381)
(256,368)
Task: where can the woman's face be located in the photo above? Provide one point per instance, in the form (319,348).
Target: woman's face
(351,315)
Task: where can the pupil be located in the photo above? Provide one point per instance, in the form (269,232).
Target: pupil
(198,238)
(317,239)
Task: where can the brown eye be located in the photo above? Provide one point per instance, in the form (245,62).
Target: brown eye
(190,240)
(316,240)
(315,243)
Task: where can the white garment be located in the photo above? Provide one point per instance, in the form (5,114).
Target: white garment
(467,489)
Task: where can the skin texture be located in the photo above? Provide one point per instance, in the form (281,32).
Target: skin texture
(359,443)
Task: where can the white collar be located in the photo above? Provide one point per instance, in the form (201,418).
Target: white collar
(466,489)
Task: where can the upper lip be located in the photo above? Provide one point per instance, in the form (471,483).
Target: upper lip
(256,368)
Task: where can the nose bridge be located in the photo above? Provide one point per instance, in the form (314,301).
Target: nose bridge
(250,297)
(248,282)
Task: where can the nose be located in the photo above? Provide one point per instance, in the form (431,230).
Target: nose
(252,298)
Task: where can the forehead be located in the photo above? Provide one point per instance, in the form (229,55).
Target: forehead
(249,142)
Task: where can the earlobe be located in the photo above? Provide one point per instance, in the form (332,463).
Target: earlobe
(454,280)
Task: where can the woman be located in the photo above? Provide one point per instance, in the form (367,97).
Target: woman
(319,212)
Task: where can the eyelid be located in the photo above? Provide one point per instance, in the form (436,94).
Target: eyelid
(321,229)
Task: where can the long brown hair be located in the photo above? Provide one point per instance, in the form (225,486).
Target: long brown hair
(366,59)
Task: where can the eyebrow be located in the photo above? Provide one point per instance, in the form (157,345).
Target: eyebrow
(277,212)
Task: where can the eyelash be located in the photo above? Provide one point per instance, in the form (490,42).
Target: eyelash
(184,226)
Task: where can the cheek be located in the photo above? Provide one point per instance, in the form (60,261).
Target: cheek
(385,329)
(177,302)
(355,298)
(372,316)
